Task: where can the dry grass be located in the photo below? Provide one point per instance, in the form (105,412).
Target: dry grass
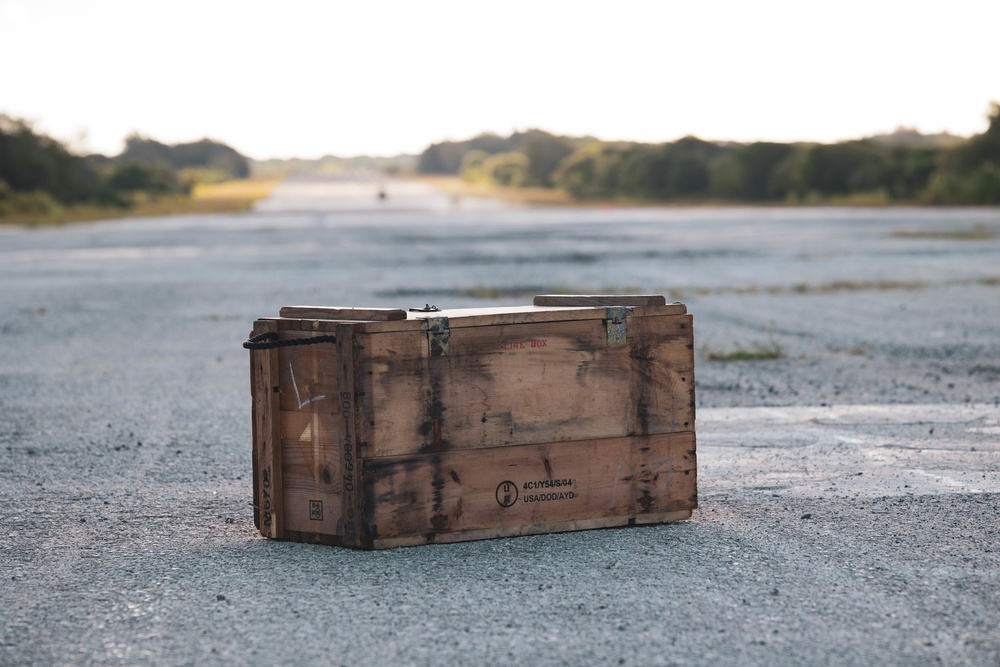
(225,197)
(978,233)
(243,191)
(759,352)
(456,187)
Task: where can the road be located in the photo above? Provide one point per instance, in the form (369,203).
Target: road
(849,474)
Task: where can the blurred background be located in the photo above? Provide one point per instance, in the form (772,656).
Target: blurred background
(111,105)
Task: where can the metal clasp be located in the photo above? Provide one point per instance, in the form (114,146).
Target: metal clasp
(616,324)
(438,337)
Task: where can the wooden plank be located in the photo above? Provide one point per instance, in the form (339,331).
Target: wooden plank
(477,317)
(266,396)
(660,366)
(600,300)
(519,384)
(530,485)
(351,521)
(531,529)
(255,420)
(342,313)
(312,493)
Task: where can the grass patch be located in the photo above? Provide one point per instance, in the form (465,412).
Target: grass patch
(755,353)
(978,233)
(456,187)
(226,197)
(240,192)
(867,286)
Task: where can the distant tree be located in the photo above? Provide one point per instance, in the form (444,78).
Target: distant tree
(757,163)
(909,170)
(446,157)
(31,161)
(842,168)
(970,173)
(135,177)
(205,153)
(142,150)
(644,171)
(212,155)
(472,166)
(689,176)
(509,169)
(592,171)
(902,166)
(544,152)
(725,178)
(667,171)
(787,180)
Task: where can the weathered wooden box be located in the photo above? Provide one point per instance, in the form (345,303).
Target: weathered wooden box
(381,428)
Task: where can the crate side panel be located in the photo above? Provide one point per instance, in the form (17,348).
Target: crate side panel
(310,437)
(266,450)
(661,366)
(539,484)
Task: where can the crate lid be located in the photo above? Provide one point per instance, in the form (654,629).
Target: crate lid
(546,308)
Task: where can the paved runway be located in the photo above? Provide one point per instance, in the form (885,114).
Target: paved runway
(849,486)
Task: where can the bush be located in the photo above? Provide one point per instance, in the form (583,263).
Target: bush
(33,202)
(509,169)
(472,167)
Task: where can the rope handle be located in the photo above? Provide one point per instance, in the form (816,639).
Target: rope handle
(269,340)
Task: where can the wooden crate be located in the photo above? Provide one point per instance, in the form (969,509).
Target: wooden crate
(389,428)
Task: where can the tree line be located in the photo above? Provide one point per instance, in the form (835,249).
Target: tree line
(38,173)
(904,167)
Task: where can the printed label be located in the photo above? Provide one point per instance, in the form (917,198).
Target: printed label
(507,493)
(347,447)
(535,491)
(511,345)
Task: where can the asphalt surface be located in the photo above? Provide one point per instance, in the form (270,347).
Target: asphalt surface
(849,486)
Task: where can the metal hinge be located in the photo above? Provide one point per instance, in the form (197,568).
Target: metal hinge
(438,336)
(616,324)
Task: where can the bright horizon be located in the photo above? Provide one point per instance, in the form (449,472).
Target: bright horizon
(385,78)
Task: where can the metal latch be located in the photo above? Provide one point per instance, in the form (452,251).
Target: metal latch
(616,324)
(438,336)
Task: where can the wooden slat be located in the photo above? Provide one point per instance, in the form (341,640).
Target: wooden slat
(312,494)
(600,300)
(530,383)
(342,313)
(530,529)
(530,485)
(351,523)
(477,317)
(268,488)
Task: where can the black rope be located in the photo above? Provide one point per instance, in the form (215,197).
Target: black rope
(269,340)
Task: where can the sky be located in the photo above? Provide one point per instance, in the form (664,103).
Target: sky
(307,79)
